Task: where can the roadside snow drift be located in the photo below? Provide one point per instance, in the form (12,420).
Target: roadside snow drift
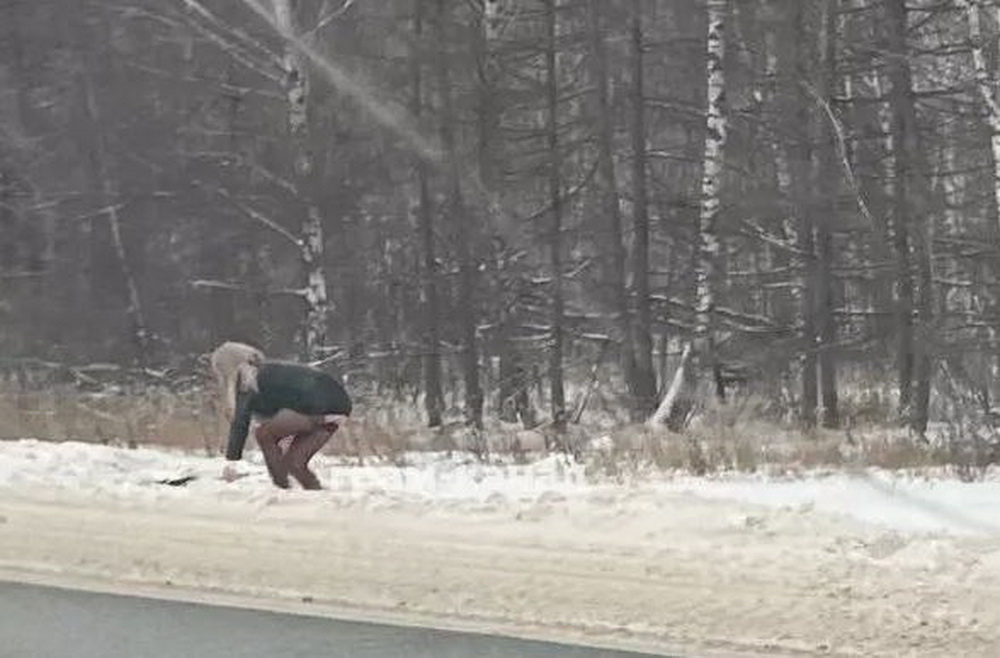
(862,564)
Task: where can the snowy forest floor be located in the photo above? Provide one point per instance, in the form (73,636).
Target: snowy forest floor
(836,562)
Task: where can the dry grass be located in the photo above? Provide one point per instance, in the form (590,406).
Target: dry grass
(191,422)
(66,414)
(736,438)
(758,448)
(733,437)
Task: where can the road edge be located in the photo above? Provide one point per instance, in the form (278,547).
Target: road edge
(590,638)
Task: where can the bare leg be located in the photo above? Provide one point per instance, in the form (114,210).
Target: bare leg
(269,434)
(272,457)
(303,447)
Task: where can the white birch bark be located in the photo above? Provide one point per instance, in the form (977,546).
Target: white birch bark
(680,400)
(311,240)
(492,19)
(662,413)
(985,83)
(711,182)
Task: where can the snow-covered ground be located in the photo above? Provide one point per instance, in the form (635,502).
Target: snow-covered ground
(925,503)
(835,563)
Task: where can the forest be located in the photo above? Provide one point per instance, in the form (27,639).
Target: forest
(534,211)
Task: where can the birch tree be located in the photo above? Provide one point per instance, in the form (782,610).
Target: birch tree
(311,244)
(679,401)
(986,84)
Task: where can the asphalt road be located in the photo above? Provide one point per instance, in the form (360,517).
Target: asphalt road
(47,622)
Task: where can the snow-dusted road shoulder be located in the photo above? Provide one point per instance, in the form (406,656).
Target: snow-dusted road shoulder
(829,565)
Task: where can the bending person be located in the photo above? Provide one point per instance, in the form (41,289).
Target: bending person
(289,400)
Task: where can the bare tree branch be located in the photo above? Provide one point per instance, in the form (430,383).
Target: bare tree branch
(330,15)
(252,213)
(389,117)
(838,130)
(234,42)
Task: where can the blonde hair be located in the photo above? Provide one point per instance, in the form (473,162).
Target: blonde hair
(235,368)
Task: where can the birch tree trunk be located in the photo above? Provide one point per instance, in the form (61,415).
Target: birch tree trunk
(677,405)
(311,241)
(986,84)
(558,393)
(431,358)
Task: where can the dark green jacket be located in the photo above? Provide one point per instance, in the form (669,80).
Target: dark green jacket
(282,385)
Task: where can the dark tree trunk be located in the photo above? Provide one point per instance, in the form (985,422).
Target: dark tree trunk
(461,220)
(906,216)
(827,186)
(612,210)
(802,185)
(431,357)
(108,194)
(644,375)
(558,393)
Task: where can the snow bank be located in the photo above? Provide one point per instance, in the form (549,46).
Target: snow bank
(140,474)
(903,503)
